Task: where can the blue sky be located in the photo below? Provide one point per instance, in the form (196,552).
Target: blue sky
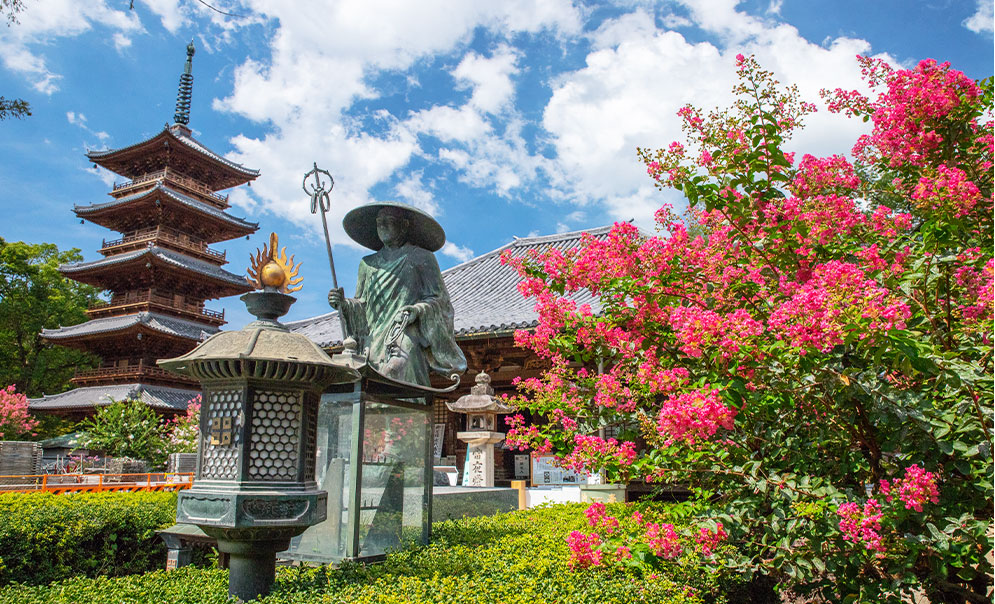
(502,119)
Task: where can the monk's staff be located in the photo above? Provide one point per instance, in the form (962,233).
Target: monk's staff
(321,201)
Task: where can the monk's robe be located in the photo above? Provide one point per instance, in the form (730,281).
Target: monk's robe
(389,280)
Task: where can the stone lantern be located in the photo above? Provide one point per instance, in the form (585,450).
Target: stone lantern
(481,409)
(255,484)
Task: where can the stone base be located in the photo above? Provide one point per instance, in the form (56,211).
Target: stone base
(479,468)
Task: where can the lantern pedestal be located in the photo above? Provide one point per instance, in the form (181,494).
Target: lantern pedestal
(479,468)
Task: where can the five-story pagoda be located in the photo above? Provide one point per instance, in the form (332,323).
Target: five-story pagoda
(160,270)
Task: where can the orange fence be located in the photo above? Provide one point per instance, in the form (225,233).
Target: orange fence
(92,483)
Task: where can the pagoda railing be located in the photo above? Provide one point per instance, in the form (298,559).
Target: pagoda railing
(161,233)
(173,177)
(151,298)
(132,371)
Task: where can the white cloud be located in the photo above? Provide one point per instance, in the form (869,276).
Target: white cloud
(635,25)
(78,119)
(169,13)
(672,21)
(352,40)
(40,24)
(450,124)
(222,21)
(490,78)
(458,252)
(499,163)
(637,77)
(982,20)
(722,18)
(413,191)
(121,41)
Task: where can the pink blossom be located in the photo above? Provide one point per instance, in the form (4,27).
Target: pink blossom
(584,552)
(917,488)
(862,525)
(708,540)
(662,540)
(693,416)
(15,419)
(948,190)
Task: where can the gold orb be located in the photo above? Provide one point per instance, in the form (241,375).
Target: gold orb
(272,275)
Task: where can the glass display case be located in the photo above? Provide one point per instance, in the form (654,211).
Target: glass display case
(374,458)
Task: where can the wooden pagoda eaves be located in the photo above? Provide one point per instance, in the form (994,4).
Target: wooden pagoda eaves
(160,204)
(174,148)
(131,325)
(133,269)
(160,270)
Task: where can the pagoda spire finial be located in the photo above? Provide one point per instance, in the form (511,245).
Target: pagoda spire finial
(182,115)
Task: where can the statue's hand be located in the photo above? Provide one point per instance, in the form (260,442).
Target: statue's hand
(413,312)
(336,297)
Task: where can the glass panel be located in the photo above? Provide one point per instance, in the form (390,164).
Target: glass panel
(326,542)
(394,491)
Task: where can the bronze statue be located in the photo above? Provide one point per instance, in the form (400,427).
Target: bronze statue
(401,315)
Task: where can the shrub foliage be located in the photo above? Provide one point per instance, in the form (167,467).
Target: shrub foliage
(46,537)
(521,557)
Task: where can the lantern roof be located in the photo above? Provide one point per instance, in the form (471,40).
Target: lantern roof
(481,399)
(263,349)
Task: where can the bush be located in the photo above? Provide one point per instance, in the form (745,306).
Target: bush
(809,349)
(516,557)
(128,429)
(46,537)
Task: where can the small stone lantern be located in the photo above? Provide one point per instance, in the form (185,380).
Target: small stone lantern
(482,409)
(255,484)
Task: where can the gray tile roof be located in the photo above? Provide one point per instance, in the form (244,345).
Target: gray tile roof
(158,397)
(189,141)
(195,204)
(484,293)
(166,255)
(158,322)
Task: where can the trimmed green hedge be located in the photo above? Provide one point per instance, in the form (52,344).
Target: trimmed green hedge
(516,558)
(46,537)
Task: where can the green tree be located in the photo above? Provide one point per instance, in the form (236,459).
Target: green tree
(33,296)
(16,108)
(128,429)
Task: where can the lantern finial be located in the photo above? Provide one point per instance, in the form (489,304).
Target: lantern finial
(272,271)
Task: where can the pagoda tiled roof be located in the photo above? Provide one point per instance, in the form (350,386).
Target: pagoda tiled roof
(166,255)
(484,293)
(165,324)
(182,136)
(157,397)
(186,200)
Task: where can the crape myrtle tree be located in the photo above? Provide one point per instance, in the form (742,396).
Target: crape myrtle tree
(15,420)
(812,355)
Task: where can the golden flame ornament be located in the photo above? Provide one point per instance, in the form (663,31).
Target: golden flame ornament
(272,270)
